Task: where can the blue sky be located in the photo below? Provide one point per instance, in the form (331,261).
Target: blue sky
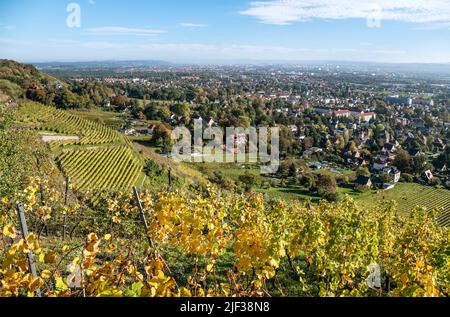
(218,31)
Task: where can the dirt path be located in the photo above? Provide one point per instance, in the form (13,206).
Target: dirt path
(50,138)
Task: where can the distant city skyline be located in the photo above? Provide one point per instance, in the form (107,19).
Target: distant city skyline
(226,31)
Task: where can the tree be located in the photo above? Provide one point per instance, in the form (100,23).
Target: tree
(402,161)
(293,170)
(326,186)
(307,181)
(385,178)
(181,109)
(408,178)
(249,180)
(162,137)
(164,114)
(363,171)
(151,111)
(419,164)
(140,115)
(120,101)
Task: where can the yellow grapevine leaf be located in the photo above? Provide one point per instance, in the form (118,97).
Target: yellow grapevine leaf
(10,231)
(60,285)
(49,257)
(46,274)
(209,267)
(404,278)
(35,284)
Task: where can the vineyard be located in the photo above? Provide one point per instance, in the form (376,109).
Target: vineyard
(50,119)
(112,168)
(216,244)
(408,196)
(94,156)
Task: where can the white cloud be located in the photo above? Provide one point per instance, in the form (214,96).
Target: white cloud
(288,11)
(91,2)
(193,25)
(117,30)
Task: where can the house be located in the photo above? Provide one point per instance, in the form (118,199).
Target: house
(415,152)
(364,116)
(363,181)
(385,136)
(379,165)
(428,175)
(57,85)
(447,183)
(130,132)
(441,166)
(363,136)
(284,95)
(321,111)
(239,139)
(439,144)
(402,121)
(393,172)
(312,151)
(293,128)
(389,148)
(143,130)
(342,113)
(316,166)
(151,128)
(208,122)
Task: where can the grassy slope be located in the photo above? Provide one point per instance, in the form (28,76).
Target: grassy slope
(180,170)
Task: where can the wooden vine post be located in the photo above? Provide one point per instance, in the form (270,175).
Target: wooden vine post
(66,193)
(30,255)
(143,218)
(170,177)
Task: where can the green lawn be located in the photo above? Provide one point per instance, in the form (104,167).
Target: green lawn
(229,170)
(288,193)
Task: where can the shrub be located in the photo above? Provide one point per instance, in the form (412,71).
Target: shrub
(407,178)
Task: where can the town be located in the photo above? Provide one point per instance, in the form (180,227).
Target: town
(368,129)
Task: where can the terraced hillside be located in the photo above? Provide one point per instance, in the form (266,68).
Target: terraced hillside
(50,119)
(112,168)
(93,155)
(444,218)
